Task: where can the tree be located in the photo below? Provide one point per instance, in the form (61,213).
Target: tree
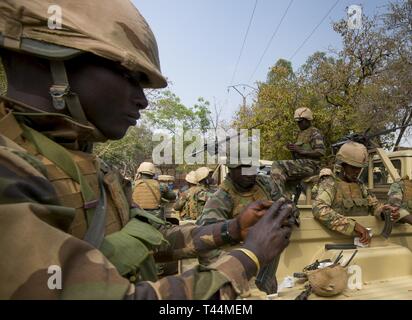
(166,112)
(127,153)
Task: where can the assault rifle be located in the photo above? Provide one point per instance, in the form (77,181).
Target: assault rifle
(266,278)
(364,138)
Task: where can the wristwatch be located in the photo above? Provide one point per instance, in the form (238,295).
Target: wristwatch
(224,233)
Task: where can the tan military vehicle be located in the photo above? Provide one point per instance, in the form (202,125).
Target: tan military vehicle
(381,271)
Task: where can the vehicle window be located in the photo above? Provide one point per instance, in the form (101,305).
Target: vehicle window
(381,175)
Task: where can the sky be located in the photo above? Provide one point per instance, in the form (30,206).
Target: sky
(200,41)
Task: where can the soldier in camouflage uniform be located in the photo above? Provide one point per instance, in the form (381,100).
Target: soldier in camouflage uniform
(181,204)
(198,196)
(400,199)
(167,183)
(342,196)
(54,193)
(307,151)
(241,187)
(148,192)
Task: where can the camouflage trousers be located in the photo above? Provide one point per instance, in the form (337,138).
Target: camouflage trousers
(291,172)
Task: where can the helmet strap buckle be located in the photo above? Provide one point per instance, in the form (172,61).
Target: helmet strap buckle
(58,94)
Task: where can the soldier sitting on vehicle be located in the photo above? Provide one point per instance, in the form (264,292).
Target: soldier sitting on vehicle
(148,192)
(307,152)
(400,199)
(344,195)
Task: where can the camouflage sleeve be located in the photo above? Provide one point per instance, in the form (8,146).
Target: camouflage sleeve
(322,208)
(217,208)
(202,196)
(180,202)
(166,192)
(317,142)
(275,187)
(374,204)
(87,273)
(227,278)
(395,194)
(395,198)
(62,267)
(188,240)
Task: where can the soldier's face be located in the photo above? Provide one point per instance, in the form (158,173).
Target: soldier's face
(350,173)
(303,124)
(245,181)
(110,98)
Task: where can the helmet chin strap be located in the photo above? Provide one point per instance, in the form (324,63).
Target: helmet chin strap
(61,94)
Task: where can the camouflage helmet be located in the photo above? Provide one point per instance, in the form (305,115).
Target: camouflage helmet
(165,178)
(191,177)
(354,154)
(329,281)
(303,113)
(202,173)
(147,168)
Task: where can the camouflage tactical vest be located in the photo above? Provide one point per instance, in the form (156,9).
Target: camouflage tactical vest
(350,199)
(196,200)
(304,137)
(147,194)
(407,195)
(120,231)
(242,199)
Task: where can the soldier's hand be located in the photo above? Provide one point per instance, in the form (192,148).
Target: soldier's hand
(270,235)
(294,148)
(251,214)
(291,146)
(395,214)
(363,233)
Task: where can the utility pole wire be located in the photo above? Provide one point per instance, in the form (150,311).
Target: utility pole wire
(313,31)
(243,45)
(271,39)
(243,95)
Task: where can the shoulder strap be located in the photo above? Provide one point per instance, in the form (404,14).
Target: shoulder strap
(62,158)
(151,190)
(95,233)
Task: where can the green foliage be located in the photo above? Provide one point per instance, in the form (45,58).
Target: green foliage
(167,112)
(126,154)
